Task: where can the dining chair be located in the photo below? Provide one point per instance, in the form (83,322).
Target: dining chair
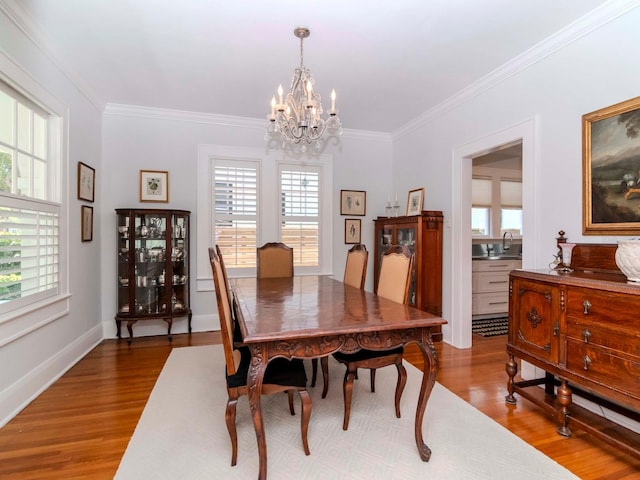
(355,272)
(394,281)
(282,375)
(275,260)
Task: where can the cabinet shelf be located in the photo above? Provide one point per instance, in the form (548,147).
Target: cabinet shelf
(149,241)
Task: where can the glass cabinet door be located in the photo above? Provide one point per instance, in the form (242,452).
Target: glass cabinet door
(407,236)
(124,253)
(179,263)
(150,249)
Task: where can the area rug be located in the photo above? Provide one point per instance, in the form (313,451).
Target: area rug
(490,327)
(182,435)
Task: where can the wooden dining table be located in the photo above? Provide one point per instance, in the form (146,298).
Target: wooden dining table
(315,316)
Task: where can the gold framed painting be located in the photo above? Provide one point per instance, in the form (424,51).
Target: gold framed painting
(611,170)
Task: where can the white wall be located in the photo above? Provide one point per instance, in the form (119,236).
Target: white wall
(142,138)
(38,346)
(546,101)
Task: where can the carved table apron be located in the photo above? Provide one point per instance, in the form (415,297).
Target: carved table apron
(315,316)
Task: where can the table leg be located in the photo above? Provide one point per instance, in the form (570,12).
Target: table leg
(428,381)
(254,385)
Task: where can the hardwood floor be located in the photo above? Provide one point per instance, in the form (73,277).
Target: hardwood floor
(79,427)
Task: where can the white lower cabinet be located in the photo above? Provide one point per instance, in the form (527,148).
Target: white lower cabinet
(490,286)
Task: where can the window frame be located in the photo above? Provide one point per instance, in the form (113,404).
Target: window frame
(268,218)
(35,311)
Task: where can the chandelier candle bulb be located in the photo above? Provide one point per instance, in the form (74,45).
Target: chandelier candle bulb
(333,102)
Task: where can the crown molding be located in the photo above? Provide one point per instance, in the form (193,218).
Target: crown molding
(593,20)
(137,111)
(23,21)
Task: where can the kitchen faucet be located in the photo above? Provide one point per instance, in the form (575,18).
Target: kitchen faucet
(504,237)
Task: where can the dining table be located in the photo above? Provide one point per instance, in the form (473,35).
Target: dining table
(314,316)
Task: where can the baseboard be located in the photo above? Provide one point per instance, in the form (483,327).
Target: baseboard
(16,397)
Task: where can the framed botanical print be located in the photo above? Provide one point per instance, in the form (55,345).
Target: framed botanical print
(86,182)
(415,201)
(154,186)
(352,230)
(86,223)
(353,202)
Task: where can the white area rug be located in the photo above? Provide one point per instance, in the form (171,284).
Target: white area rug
(182,435)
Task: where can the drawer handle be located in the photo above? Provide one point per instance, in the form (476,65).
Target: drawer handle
(587,362)
(503,281)
(586,334)
(587,305)
(498,303)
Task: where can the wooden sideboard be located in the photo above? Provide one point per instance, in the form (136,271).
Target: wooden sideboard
(583,329)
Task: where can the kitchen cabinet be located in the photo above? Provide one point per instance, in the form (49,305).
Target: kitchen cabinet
(490,286)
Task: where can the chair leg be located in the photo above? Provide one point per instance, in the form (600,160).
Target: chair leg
(347,391)
(291,407)
(402,381)
(314,371)
(230,418)
(306,416)
(373,380)
(324,363)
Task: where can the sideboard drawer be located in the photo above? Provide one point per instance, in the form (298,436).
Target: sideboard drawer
(620,311)
(597,334)
(604,367)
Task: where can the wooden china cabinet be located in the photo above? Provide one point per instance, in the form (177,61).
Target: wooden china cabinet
(581,329)
(152,267)
(423,235)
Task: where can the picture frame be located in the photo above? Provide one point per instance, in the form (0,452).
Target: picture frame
(353,202)
(86,182)
(154,186)
(415,199)
(610,170)
(86,223)
(352,231)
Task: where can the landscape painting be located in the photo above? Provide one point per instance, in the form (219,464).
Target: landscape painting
(611,170)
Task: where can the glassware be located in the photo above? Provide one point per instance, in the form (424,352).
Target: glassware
(567,248)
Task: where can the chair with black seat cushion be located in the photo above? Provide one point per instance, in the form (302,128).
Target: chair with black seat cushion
(282,375)
(393,283)
(275,260)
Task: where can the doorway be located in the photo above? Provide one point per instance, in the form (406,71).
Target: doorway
(496,229)
(458,331)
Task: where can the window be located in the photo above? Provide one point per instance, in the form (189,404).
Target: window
(29,208)
(511,207)
(300,191)
(250,196)
(481,199)
(236,212)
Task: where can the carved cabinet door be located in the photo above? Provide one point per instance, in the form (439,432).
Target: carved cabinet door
(535,320)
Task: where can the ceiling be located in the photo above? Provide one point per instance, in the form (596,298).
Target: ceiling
(389,61)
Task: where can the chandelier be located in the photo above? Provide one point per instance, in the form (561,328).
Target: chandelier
(297,118)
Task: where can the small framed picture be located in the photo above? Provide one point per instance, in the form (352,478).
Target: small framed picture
(86,228)
(352,230)
(414,201)
(86,182)
(154,186)
(353,202)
